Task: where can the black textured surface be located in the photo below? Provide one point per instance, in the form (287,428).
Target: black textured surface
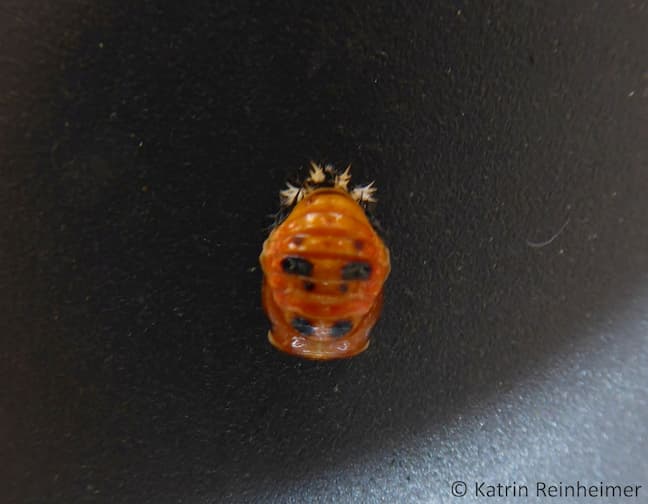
(142,148)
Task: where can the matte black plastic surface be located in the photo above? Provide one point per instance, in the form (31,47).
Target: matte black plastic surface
(142,147)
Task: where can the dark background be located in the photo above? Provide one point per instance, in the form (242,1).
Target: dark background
(141,151)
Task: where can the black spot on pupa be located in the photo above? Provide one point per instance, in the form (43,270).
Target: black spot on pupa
(343,287)
(356,270)
(309,286)
(340,328)
(297,240)
(358,244)
(297,266)
(302,326)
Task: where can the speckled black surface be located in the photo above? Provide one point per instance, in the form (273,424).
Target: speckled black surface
(142,149)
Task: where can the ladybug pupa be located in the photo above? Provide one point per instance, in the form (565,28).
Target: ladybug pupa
(324,268)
